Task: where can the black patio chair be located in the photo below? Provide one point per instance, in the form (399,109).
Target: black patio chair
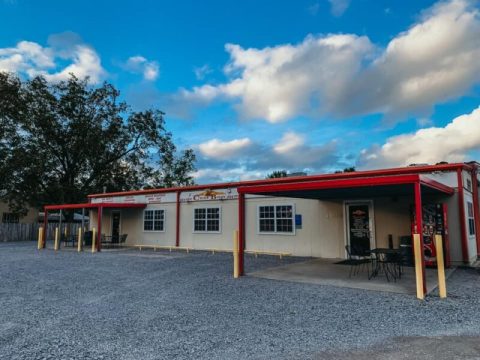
(122,239)
(357,262)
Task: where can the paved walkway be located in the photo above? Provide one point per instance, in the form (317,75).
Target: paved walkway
(327,272)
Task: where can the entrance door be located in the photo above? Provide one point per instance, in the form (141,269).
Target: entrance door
(360,233)
(115,227)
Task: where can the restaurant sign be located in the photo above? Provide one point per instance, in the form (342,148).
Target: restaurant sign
(208,195)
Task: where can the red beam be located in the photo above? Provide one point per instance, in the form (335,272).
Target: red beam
(332,184)
(241,233)
(293,179)
(419,227)
(177,223)
(436,185)
(461,215)
(95,205)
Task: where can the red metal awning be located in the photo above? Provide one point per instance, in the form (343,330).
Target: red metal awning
(305,189)
(95,206)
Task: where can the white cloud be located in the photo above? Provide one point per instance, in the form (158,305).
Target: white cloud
(289,142)
(218,149)
(244,158)
(430,145)
(202,71)
(338,7)
(214,175)
(31,59)
(345,75)
(140,65)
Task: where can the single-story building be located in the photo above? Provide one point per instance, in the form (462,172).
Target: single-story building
(311,216)
(10,217)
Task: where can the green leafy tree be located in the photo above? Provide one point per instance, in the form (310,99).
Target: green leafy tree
(277,174)
(61,141)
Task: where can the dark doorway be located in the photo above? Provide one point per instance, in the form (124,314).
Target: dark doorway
(358,227)
(115,227)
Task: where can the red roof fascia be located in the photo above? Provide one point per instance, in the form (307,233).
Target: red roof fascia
(436,185)
(296,179)
(94,205)
(331,184)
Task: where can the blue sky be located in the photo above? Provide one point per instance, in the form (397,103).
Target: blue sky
(257,86)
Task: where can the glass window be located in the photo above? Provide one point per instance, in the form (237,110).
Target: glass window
(10,218)
(276,219)
(206,220)
(154,220)
(471,219)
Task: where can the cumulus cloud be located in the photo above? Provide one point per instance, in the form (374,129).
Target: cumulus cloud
(218,149)
(65,54)
(230,159)
(140,65)
(338,7)
(344,75)
(430,145)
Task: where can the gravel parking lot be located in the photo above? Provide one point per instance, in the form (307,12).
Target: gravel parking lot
(159,305)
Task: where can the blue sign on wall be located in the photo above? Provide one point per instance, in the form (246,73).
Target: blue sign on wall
(298,220)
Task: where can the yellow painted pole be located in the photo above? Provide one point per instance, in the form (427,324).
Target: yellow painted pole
(236,269)
(57,240)
(65,233)
(79,239)
(40,236)
(418,266)
(442,285)
(93,240)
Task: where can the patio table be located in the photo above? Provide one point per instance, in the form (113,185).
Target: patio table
(382,258)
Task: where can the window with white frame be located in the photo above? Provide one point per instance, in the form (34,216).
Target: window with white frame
(471,219)
(276,219)
(206,219)
(154,220)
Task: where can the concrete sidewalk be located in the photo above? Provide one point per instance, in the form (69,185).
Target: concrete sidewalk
(327,272)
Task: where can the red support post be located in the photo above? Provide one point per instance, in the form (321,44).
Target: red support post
(99,226)
(45,232)
(241,233)
(419,227)
(177,223)
(461,215)
(476,209)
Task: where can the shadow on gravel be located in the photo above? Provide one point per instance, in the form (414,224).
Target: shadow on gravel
(406,348)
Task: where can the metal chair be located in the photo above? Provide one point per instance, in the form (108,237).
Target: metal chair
(356,261)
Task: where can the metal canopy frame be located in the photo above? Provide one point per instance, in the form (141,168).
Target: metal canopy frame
(83,206)
(415,182)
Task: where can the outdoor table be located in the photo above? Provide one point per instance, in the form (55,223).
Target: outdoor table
(383,257)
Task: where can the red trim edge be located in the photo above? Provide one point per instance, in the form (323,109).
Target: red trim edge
(461,214)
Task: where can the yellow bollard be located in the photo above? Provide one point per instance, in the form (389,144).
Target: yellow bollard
(93,240)
(79,239)
(418,266)
(442,286)
(57,240)
(236,269)
(40,238)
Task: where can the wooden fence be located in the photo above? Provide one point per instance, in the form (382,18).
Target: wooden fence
(29,232)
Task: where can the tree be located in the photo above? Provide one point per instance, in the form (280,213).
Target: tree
(62,141)
(277,174)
